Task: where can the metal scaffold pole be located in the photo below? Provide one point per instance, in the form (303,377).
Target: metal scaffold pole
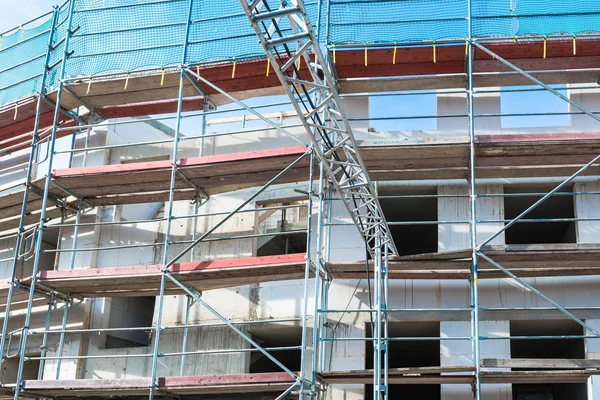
(169,211)
(28,180)
(42,223)
(304,380)
(474,278)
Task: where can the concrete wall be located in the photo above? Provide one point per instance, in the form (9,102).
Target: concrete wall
(285,299)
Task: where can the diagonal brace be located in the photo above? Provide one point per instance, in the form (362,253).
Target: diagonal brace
(246,107)
(227,322)
(542,295)
(537,81)
(540,201)
(232,213)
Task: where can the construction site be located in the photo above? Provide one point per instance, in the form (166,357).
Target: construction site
(278,199)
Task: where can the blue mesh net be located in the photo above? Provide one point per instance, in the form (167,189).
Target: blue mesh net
(22,59)
(129,35)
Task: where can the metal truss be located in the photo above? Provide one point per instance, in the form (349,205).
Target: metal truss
(288,40)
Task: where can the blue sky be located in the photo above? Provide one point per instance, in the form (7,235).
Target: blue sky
(16,12)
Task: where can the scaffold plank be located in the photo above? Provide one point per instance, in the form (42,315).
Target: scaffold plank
(400,376)
(145,280)
(540,363)
(209,384)
(524,261)
(20,298)
(450,59)
(213,174)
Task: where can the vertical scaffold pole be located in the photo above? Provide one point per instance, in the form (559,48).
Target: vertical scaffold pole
(317,287)
(169,208)
(474,279)
(32,156)
(386,360)
(303,359)
(44,346)
(40,232)
(188,305)
(61,342)
(379,341)
(326,283)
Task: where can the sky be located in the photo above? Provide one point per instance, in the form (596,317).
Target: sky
(16,12)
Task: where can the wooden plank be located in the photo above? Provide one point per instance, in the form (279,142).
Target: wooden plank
(400,371)
(151,108)
(539,363)
(435,82)
(154,166)
(419,174)
(205,275)
(129,96)
(225,383)
(426,150)
(537,137)
(442,255)
(532,377)
(149,181)
(539,64)
(523,50)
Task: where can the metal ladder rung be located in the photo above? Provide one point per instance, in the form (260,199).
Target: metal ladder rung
(282,12)
(286,39)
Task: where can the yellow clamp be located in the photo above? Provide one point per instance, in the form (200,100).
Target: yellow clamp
(545,46)
(268,66)
(467,48)
(333,48)
(298,60)
(394,56)
(434,53)
(233,69)
(162,77)
(16,111)
(574,46)
(126,81)
(366,56)
(198,71)
(89,86)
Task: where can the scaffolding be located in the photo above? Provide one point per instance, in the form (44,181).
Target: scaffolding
(65,80)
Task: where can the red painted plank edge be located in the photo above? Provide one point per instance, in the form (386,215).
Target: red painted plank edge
(231,263)
(237,379)
(163,382)
(185,162)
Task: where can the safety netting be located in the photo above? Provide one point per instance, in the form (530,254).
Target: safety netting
(131,35)
(22,59)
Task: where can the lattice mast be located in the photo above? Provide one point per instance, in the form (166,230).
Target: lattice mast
(288,40)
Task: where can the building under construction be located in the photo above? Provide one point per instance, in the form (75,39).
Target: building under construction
(277,199)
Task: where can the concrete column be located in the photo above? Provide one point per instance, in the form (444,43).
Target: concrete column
(456,236)
(460,353)
(345,356)
(456,104)
(358,107)
(587,206)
